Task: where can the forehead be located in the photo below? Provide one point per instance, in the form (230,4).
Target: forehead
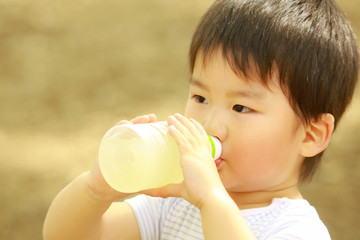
(217,61)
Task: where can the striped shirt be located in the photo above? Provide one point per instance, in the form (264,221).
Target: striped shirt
(175,218)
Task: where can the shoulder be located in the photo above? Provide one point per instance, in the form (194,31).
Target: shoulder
(291,219)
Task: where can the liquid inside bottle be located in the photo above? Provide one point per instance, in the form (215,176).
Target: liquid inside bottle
(135,157)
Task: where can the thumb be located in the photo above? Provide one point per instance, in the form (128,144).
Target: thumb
(170,190)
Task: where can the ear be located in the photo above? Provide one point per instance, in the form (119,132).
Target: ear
(318,134)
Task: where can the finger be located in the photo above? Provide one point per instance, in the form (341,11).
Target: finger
(178,136)
(182,124)
(184,121)
(202,135)
(152,117)
(193,127)
(178,131)
(144,118)
(123,122)
(140,119)
(199,127)
(149,118)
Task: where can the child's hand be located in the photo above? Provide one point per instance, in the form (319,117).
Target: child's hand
(201,178)
(149,118)
(97,183)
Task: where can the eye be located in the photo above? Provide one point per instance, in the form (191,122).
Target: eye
(200,99)
(241,108)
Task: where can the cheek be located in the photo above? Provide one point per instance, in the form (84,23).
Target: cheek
(263,151)
(195,111)
(258,167)
(190,110)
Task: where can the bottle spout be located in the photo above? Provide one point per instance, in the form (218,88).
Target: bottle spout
(216,147)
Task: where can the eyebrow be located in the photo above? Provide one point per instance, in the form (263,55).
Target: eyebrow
(248,93)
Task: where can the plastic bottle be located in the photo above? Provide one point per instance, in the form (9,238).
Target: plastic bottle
(136,157)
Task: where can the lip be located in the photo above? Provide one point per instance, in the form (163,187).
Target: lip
(218,162)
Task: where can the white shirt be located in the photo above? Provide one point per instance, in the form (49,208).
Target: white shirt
(175,218)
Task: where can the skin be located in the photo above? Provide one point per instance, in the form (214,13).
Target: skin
(264,143)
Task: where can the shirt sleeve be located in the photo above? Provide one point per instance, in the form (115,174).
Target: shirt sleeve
(147,211)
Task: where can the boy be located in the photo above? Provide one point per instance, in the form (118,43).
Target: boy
(270,79)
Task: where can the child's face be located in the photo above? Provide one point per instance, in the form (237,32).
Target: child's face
(260,133)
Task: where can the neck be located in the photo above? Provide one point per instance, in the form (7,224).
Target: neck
(263,198)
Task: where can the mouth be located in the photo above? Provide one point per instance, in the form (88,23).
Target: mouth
(218,162)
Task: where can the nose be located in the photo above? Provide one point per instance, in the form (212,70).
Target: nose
(215,124)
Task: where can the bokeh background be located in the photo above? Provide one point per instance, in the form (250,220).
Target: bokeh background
(69,70)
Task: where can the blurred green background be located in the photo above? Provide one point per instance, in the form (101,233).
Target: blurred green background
(69,70)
